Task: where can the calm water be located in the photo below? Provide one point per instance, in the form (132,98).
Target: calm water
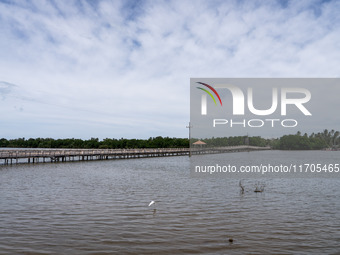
(101,207)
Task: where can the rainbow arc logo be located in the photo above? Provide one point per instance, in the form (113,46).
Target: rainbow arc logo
(209,93)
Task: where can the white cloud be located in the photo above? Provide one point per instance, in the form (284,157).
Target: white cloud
(124,67)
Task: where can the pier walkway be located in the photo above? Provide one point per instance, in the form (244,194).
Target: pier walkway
(14,156)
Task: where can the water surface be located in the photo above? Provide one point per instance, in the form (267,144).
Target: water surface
(101,207)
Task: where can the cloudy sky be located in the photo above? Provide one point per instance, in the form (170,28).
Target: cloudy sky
(122,68)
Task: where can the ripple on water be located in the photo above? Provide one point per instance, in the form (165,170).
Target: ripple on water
(102,208)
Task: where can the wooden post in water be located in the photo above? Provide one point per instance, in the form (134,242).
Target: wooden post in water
(189,138)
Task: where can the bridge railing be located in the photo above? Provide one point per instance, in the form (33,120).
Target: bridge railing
(82,152)
(30,153)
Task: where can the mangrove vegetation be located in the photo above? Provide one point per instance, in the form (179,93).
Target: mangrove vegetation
(315,141)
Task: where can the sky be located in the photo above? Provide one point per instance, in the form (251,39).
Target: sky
(113,69)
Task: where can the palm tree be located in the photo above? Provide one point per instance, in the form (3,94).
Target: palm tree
(335,138)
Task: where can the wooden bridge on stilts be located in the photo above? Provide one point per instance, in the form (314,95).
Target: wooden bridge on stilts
(15,156)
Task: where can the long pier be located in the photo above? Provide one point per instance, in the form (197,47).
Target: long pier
(15,156)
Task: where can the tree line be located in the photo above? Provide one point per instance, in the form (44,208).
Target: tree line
(315,141)
(95,143)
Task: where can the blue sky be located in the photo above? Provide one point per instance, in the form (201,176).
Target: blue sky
(122,68)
